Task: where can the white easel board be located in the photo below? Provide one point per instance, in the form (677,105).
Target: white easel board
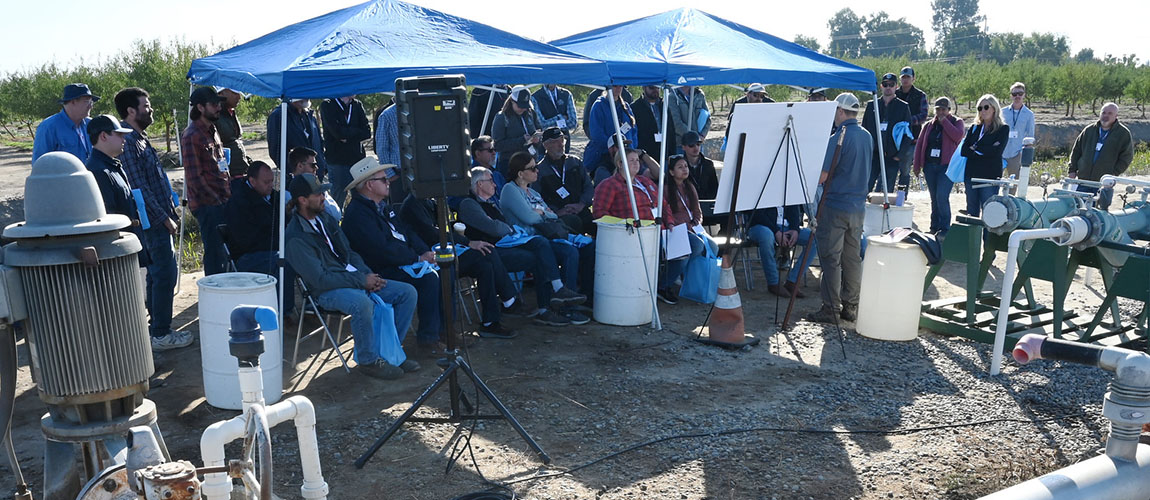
(765,124)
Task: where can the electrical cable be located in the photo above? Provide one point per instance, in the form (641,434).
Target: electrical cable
(785,430)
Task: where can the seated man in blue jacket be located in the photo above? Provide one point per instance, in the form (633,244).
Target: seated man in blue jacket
(388,244)
(771,230)
(340,280)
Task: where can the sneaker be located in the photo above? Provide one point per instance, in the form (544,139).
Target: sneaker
(496,330)
(824,315)
(849,312)
(173,340)
(790,288)
(566,297)
(380,369)
(576,317)
(668,296)
(552,318)
(520,310)
(409,365)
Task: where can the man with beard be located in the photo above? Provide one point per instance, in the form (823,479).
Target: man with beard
(231,134)
(564,184)
(648,110)
(146,174)
(206,174)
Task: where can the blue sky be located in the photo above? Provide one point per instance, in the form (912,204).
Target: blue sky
(71,31)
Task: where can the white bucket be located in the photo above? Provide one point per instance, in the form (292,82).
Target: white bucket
(874,223)
(622,290)
(890,298)
(219,294)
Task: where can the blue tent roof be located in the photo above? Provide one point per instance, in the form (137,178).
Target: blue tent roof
(362,49)
(691,47)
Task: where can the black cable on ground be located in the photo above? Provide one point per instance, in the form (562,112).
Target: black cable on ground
(746,430)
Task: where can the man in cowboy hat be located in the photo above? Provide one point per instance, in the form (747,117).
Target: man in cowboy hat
(67,130)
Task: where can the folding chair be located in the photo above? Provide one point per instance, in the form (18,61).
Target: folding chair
(466,286)
(222,230)
(311,307)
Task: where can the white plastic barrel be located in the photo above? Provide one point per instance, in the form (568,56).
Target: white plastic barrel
(622,289)
(219,294)
(890,298)
(875,223)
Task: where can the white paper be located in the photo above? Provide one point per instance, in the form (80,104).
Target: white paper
(1013,134)
(561,123)
(676,242)
(785,184)
(882,127)
(658,137)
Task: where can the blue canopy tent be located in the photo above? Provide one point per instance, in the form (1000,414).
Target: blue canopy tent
(691,47)
(363,49)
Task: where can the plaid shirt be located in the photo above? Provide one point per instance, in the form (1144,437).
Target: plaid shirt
(145,173)
(202,152)
(611,197)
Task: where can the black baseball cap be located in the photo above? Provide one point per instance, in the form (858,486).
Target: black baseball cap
(304,185)
(889,76)
(204,95)
(552,133)
(689,138)
(106,123)
(907,71)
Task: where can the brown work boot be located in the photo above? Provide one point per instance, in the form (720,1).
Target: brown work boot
(778,290)
(792,287)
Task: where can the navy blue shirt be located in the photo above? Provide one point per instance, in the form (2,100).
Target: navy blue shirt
(846,189)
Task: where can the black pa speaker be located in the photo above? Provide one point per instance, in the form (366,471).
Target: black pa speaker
(434,150)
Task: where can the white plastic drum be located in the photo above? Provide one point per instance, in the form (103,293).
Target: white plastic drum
(875,223)
(622,288)
(219,294)
(890,299)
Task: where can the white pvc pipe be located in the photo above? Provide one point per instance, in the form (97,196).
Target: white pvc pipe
(662,157)
(487,112)
(1016,238)
(1098,477)
(1123,180)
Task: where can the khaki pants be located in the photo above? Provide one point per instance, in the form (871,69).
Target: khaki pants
(839,241)
(1013,167)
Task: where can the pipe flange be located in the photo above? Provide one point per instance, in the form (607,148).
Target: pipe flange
(1000,214)
(1094,221)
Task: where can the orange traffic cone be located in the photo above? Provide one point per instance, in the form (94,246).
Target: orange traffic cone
(726,320)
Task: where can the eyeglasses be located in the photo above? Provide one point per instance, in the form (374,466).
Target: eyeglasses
(887,84)
(985,107)
(486,149)
(380,179)
(1017,94)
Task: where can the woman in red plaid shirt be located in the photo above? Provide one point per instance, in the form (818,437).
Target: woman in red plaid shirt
(611,194)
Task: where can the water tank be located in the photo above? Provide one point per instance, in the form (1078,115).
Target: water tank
(890,297)
(622,288)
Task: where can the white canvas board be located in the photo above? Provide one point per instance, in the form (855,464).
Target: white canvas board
(765,124)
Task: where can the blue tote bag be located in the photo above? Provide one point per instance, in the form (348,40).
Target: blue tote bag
(701,280)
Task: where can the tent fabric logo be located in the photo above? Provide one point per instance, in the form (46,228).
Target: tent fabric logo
(681,80)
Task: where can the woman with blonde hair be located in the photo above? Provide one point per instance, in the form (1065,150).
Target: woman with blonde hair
(982,147)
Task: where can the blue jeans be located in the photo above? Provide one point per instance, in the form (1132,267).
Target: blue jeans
(340,176)
(675,268)
(356,303)
(977,197)
(265,263)
(537,257)
(939,186)
(874,184)
(765,238)
(209,217)
(161,282)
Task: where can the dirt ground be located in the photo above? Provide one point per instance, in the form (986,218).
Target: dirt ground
(802,415)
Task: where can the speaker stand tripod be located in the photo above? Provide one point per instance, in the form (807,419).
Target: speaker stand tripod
(455,363)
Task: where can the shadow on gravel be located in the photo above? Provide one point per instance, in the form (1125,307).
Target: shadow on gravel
(11,211)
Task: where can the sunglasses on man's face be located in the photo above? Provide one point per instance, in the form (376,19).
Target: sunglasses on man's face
(888,84)
(1018,94)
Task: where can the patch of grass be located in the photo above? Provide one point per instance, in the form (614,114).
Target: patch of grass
(254,136)
(1056,166)
(21,145)
(967,485)
(192,253)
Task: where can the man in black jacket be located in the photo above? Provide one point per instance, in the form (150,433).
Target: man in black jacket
(891,112)
(302,130)
(252,216)
(564,183)
(648,110)
(387,244)
(916,101)
(345,127)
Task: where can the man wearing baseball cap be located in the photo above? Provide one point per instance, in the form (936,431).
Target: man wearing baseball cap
(918,104)
(206,174)
(840,213)
(892,111)
(107,137)
(564,183)
(67,130)
(756,93)
(340,280)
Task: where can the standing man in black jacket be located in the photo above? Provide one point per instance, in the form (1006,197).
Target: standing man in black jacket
(916,101)
(302,130)
(891,111)
(345,127)
(648,109)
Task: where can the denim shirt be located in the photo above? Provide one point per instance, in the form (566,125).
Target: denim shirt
(59,133)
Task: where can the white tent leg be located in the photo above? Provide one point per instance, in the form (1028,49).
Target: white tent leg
(283,209)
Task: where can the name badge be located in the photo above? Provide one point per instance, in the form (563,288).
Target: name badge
(1013,134)
(562,192)
(223,164)
(626,127)
(1098,147)
(882,127)
(561,123)
(531,150)
(935,153)
(351,269)
(659,138)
